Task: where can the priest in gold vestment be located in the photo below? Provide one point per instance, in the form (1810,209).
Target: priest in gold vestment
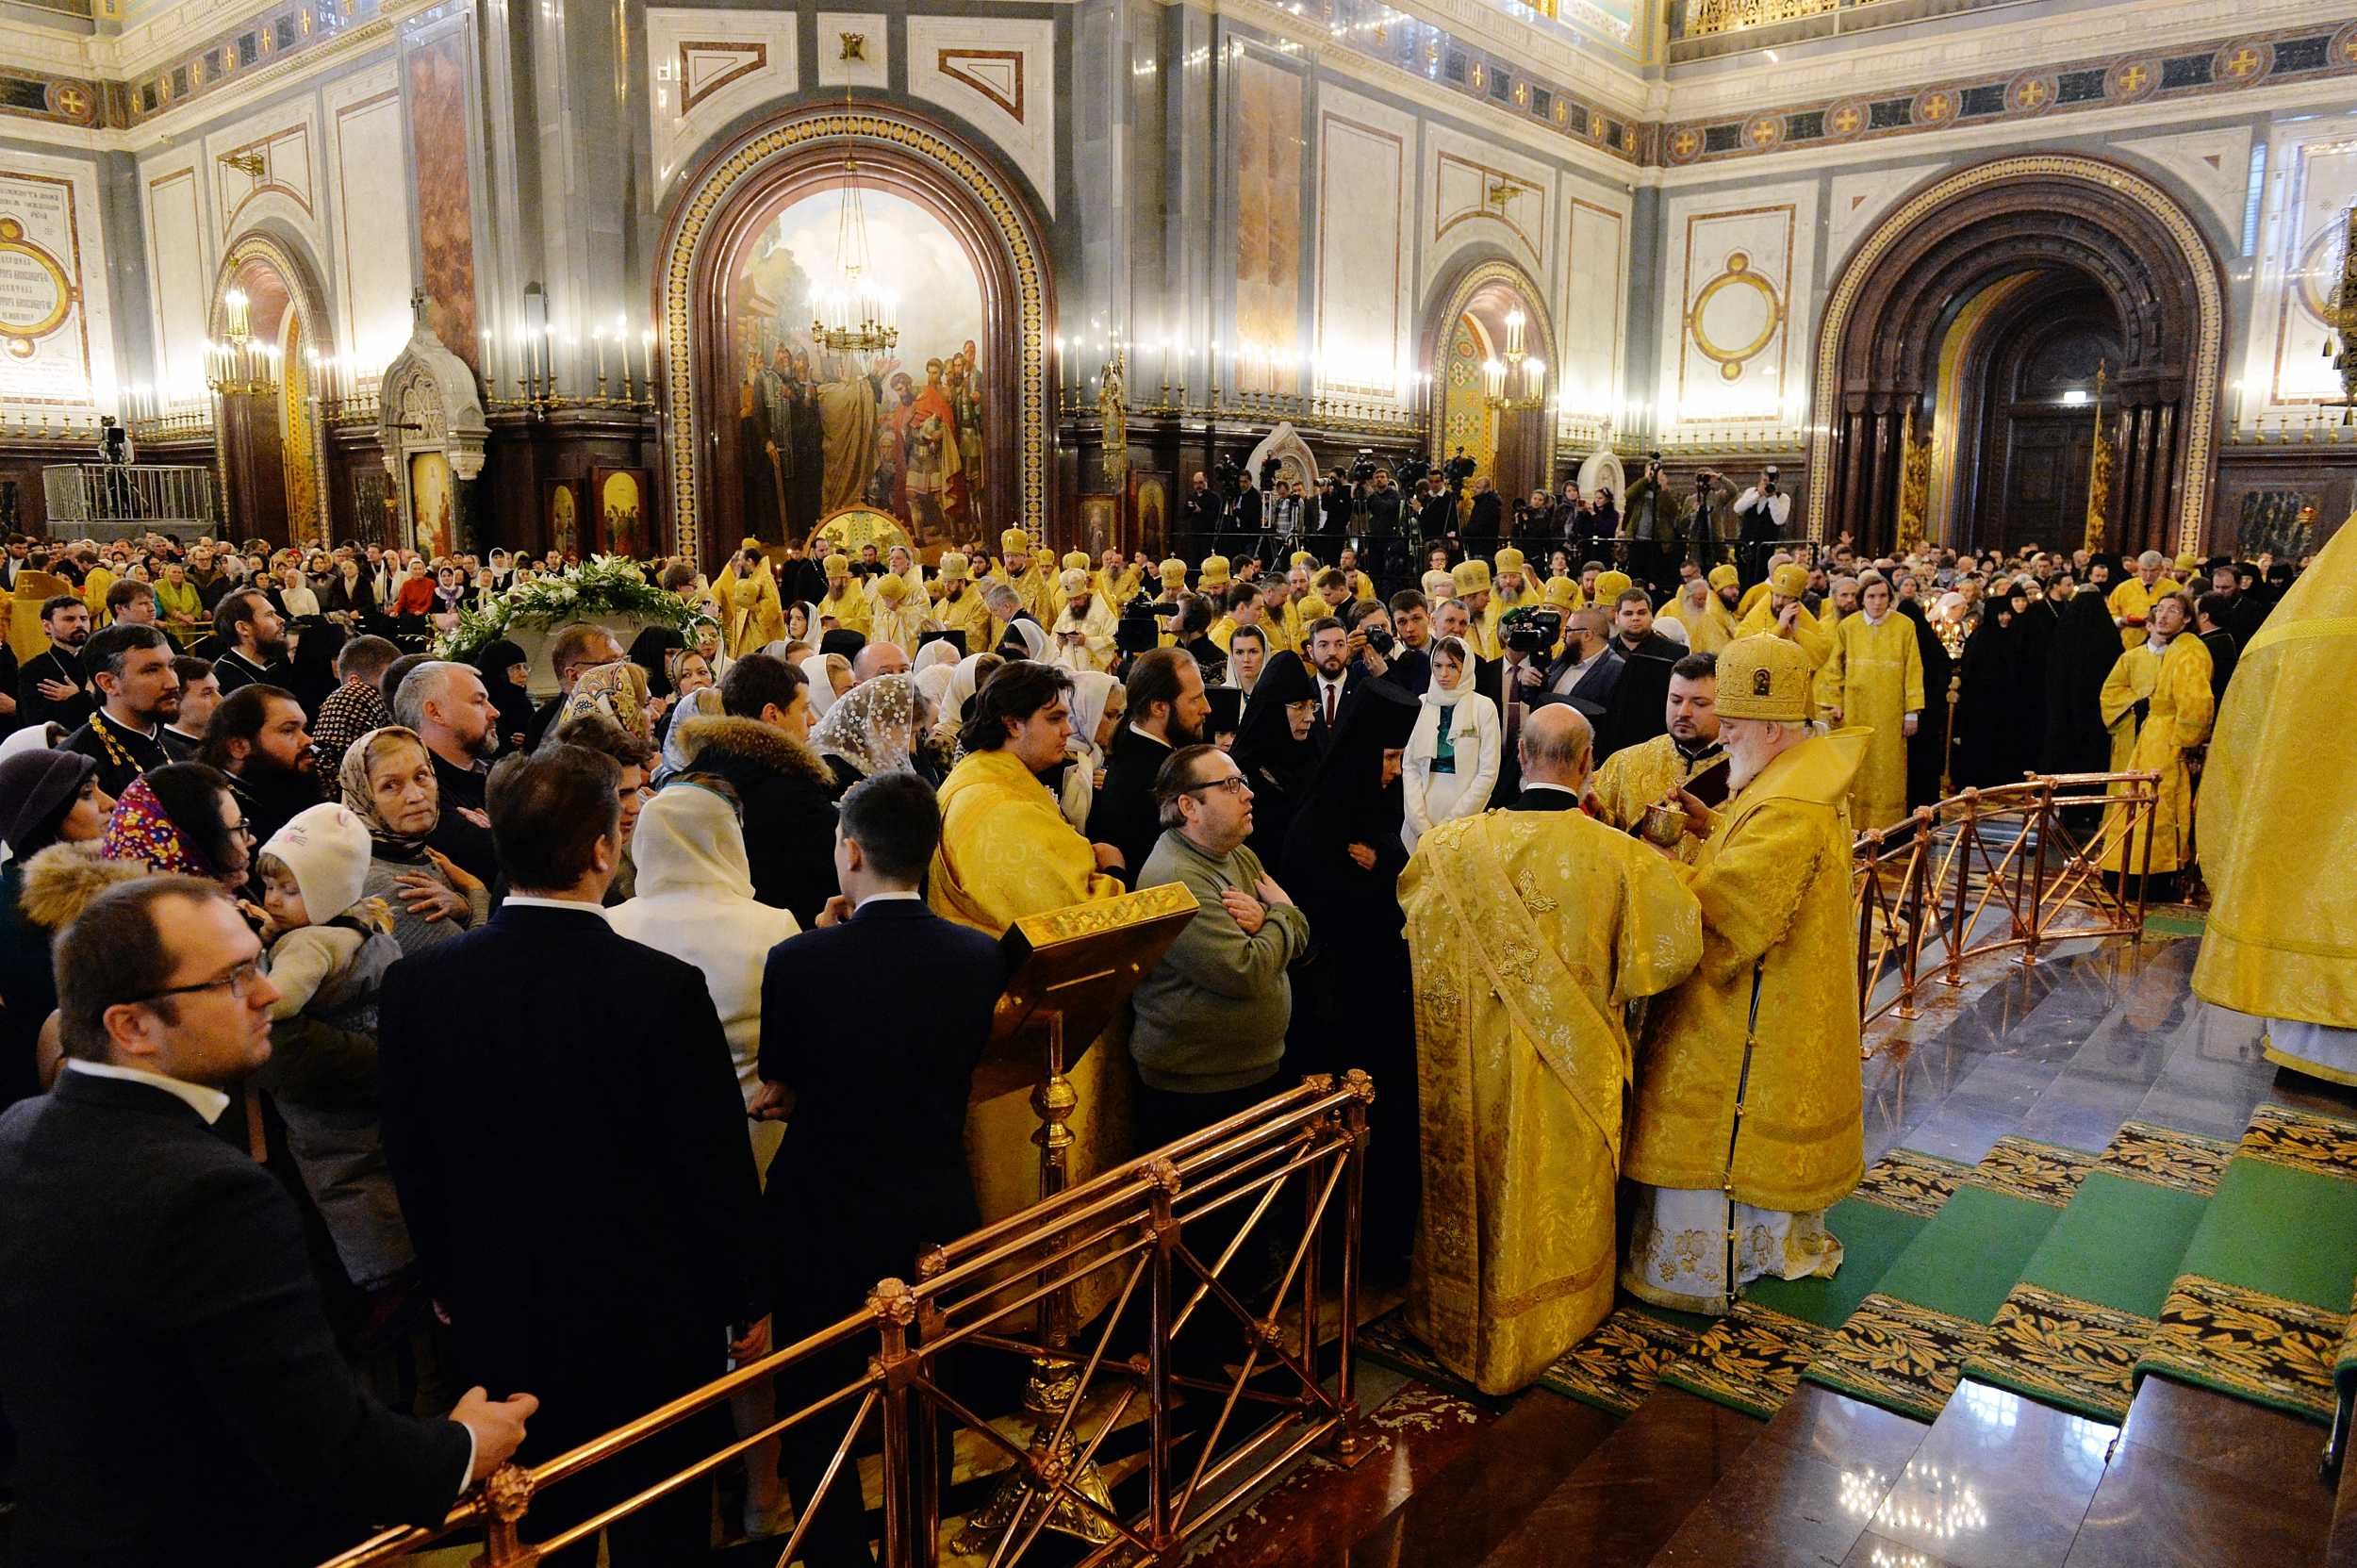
(2157,701)
(1782,612)
(1529,929)
(1007,852)
(2277,806)
(2132,602)
(960,608)
(1873,680)
(846,602)
(1749,1100)
(1654,771)
(751,615)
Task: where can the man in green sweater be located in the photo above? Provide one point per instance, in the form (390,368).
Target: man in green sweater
(1212,1016)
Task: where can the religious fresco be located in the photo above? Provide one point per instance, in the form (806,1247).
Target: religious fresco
(622,510)
(818,433)
(437,129)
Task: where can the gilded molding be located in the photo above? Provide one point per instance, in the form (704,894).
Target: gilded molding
(711,196)
(2199,418)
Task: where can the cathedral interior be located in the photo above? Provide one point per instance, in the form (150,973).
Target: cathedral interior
(1973,276)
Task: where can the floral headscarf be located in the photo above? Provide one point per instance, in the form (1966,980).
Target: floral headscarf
(140,828)
(873,727)
(703,703)
(616,691)
(359,790)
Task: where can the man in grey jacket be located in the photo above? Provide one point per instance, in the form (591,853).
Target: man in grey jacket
(1212,1016)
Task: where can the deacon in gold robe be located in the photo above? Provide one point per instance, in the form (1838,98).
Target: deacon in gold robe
(2132,603)
(896,616)
(1007,852)
(1530,930)
(960,608)
(2279,826)
(751,614)
(1117,580)
(1471,581)
(1749,1106)
(1654,771)
(845,603)
(1873,680)
(1709,624)
(1024,575)
(2158,704)
(1082,638)
(1782,612)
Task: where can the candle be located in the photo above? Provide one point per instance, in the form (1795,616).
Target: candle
(600,336)
(646,342)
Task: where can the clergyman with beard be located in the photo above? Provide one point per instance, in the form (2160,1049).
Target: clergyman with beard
(52,686)
(451,710)
(254,642)
(131,664)
(1749,1115)
(1166,711)
(259,738)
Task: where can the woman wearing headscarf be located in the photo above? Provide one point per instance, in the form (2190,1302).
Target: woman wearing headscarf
(388,782)
(874,728)
(1274,750)
(1023,640)
(615,692)
(651,650)
(350,597)
(933,653)
(313,674)
(1453,757)
(51,816)
(830,678)
(182,818)
(506,670)
(2085,646)
(703,703)
(1097,703)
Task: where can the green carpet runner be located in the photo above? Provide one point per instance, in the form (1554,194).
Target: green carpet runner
(2260,1303)
(1753,1358)
(1905,1346)
(2070,1332)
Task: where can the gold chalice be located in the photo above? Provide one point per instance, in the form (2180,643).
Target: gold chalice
(1663,824)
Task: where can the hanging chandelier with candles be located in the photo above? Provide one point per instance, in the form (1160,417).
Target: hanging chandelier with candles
(240,363)
(1517,365)
(855,315)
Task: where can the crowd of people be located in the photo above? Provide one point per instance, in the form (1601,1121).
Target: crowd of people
(376,1012)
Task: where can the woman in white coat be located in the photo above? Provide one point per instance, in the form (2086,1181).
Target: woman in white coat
(1453,756)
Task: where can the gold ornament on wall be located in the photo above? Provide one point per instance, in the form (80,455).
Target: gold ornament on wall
(2099,470)
(1914,486)
(1113,413)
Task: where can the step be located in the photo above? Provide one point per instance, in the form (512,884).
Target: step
(1629,1496)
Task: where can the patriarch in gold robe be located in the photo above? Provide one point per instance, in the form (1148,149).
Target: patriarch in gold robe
(2158,706)
(1530,930)
(1873,680)
(1749,1106)
(2279,826)
(1007,852)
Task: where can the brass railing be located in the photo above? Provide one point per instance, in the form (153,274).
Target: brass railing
(1993,869)
(1164,1232)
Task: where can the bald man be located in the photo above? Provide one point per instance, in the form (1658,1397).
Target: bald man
(878,658)
(1521,1081)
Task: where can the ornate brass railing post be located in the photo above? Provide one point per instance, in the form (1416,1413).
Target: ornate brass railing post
(1161,1313)
(1918,897)
(1347,1445)
(895,1309)
(508,1495)
(1968,838)
(2042,817)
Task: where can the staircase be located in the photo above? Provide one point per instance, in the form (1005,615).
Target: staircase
(2191,1475)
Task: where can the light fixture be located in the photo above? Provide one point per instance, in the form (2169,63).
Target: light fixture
(855,317)
(237,364)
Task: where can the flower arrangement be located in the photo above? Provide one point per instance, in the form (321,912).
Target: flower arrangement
(602,585)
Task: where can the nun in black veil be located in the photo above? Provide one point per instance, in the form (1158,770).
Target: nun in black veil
(1274,750)
(2085,646)
(1342,862)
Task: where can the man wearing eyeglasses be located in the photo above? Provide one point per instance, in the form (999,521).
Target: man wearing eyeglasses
(189,1348)
(1212,1016)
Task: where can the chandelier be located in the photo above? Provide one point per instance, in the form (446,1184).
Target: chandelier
(238,363)
(855,317)
(1517,365)
(2340,315)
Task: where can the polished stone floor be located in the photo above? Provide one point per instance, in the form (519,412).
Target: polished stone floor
(2064,1051)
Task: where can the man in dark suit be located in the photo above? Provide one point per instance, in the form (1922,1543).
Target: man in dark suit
(164,1358)
(1166,711)
(1633,635)
(564,1124)
(854,1197)
(1590,666)
(1201,516)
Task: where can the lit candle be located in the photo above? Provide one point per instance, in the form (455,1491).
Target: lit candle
(600,336)
(645,341)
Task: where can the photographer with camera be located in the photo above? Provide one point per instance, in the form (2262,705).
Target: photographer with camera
(1201,515)
(1760,514)
(1710,526)
(1245,510)
(1373,651)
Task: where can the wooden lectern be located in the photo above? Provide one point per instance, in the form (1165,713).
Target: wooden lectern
(1070,972)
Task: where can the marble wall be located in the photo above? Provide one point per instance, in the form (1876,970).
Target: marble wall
(1268,165)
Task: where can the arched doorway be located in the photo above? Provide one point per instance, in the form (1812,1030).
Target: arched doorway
(1490,320)
(2063,251)
(959,448)
(266,302)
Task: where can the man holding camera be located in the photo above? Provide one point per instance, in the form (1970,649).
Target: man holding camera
(1760,514)
(1711,524)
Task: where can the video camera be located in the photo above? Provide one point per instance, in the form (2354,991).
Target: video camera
(1457,469)
(1227,475)
(1270,468)
(1413,473)
(1532,629)
(1140,629)
(1362,466)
